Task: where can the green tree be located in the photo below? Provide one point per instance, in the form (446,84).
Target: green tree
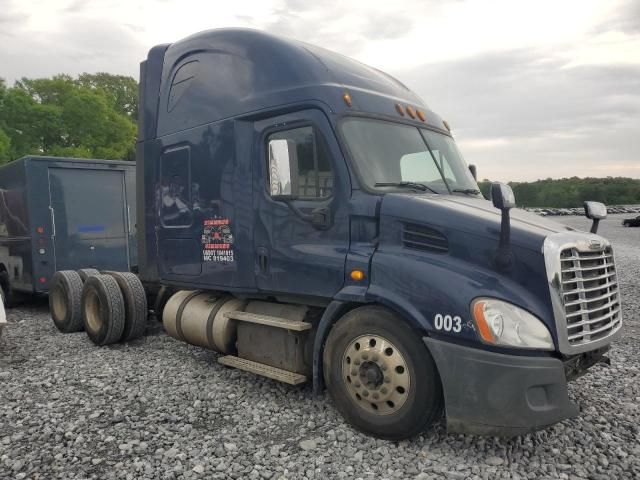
(122,91)
(62,116)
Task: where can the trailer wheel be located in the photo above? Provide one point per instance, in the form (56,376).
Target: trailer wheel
(65,300)
(380,375)
(87,272)
(103,310)
(135,304)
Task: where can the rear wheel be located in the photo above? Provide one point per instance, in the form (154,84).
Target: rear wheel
(103,310)
(65,295)
(87,272)
(135,304)
(380,374)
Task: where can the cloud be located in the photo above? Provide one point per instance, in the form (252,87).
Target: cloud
(625,18)
(95,45)
(524,113)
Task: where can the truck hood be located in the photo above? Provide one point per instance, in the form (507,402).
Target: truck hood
(477,217)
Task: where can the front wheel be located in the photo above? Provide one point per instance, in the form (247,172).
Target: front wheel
(380,374)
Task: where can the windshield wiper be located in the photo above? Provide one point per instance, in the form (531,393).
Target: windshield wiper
(416,185)
(467,191)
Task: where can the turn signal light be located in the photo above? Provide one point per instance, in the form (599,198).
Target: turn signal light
(357,275)
(481,321)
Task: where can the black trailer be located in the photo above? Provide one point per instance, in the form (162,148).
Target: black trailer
(64,214)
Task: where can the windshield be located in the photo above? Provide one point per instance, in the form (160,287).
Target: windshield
(391,154)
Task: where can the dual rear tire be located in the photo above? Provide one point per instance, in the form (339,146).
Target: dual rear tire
(110,307)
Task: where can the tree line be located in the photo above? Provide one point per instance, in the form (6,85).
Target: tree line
(572,192)
(91,116)
(94,116)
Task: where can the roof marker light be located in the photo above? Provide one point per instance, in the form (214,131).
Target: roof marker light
(347,98)
(399,109)
(411,111)
(421,116)
(446,125)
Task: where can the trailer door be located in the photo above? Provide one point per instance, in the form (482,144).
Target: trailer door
(89,216)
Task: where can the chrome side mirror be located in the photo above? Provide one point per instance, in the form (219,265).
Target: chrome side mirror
(502,196)
(503,199)
(474,172)
(595,211)
(283,169)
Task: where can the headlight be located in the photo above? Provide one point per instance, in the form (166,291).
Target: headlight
(501,323)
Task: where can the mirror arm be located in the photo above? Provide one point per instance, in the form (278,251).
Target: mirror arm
(504,257)
(594,225)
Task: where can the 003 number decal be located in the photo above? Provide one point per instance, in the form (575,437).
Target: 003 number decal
(448,323)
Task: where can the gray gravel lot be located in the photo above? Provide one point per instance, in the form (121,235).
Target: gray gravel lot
(158,408)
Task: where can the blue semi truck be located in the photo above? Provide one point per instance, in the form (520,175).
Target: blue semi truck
(311,219)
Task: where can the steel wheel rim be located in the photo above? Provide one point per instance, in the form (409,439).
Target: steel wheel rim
(59,306)
(376,375)
(92,311)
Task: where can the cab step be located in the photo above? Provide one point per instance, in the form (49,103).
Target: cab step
(278,322)
(268,371)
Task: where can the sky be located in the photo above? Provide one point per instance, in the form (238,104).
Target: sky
(532,89)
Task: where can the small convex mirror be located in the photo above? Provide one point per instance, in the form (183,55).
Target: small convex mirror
(282,160)
(502,196)
(595,210)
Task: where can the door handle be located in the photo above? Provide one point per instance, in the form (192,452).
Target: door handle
(321,218)
(53,221)
(263,259)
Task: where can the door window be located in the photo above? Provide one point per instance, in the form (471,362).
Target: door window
(174,191)
(298,164)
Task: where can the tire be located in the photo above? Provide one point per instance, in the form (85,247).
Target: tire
(65,301)
(135,304)
(87,272)
(383,344)
(103,310)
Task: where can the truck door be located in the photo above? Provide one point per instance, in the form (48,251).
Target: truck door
(89,218)
(302,187)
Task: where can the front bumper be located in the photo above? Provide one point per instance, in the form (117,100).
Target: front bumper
(489,393)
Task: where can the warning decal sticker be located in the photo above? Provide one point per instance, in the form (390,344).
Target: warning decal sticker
(217,240)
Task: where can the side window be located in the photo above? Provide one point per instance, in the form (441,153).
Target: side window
(299,164)
(174,191)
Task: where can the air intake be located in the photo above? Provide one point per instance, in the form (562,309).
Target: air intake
(426,239)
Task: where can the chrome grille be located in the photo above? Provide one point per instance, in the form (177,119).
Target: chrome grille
(590,296)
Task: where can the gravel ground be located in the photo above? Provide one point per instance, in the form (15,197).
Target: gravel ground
(157,408)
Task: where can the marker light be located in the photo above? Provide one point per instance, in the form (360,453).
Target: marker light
(357,275)
(40,229)
(420,114)
(43,280)
(347,98)
(411,111)
(399,109)
(41,251)
(446,125)
(501,323)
